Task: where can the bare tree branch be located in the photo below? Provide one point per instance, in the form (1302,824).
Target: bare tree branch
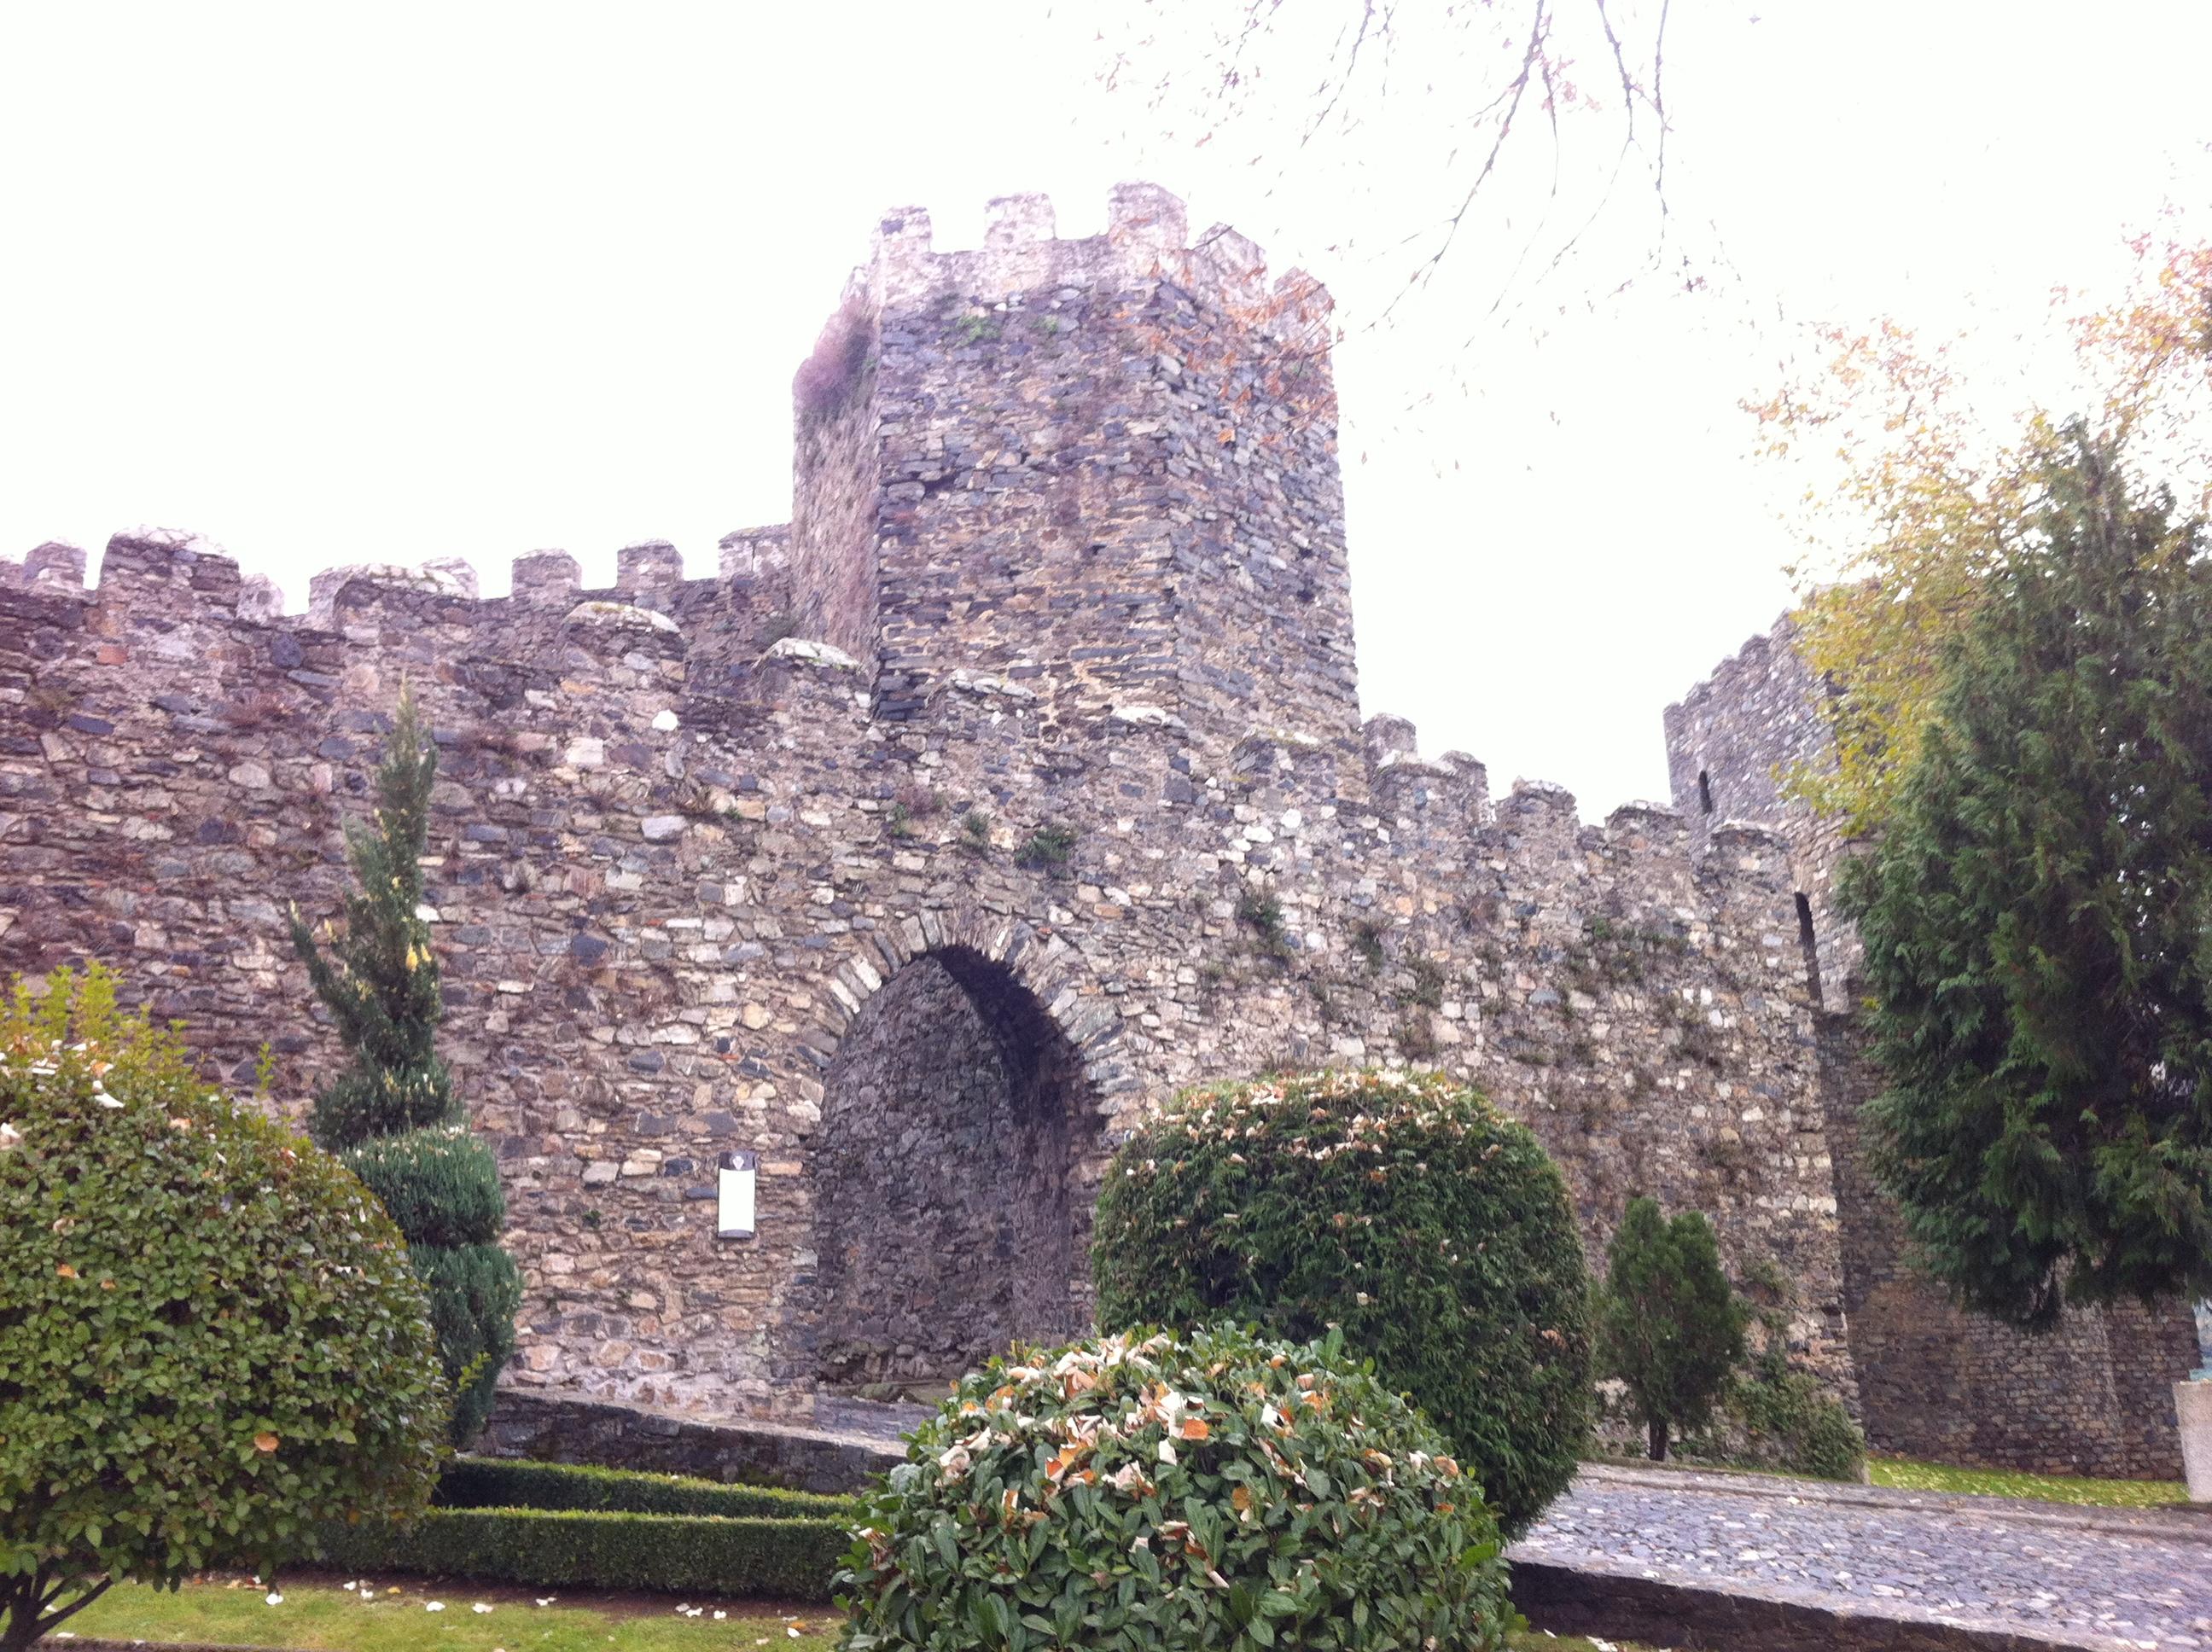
(1368,97)
(1517,90)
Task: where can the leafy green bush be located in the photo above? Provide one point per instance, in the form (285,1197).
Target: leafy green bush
(1166,1493)
(783,1559)
(1402,1207)
(500,1483)
(210,1336)
(1776,1416)
(1817,1435)
(440,1184)
(1786,1421)
(1670,1326)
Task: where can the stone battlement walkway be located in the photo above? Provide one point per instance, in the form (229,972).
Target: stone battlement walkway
(2105,1578)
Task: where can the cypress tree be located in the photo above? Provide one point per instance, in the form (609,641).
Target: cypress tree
(2037,919)
(391,1114)
(1669,1325)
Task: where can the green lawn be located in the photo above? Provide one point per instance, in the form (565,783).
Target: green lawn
(321,1617)
(1905,1475)
(1908,1476)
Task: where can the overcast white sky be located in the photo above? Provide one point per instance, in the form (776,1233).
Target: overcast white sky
(398,282)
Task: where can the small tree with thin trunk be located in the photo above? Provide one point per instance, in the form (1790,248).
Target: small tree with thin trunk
(392,1114)
(1669,1326)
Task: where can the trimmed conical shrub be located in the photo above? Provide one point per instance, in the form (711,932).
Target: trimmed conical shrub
(391,1113)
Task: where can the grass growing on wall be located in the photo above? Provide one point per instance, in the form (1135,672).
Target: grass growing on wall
(1905,1475)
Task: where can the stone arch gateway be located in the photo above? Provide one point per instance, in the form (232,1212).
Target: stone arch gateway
(952,1176)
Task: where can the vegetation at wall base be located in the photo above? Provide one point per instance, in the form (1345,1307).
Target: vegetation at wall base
(1788,1421)
(391,1110)
(1402,1207)
(1670,1326)
(2036,917)
(792,1559)
(1905,1474)
(1177,1493)
(1776,1415)
(201,1400)
(497,1482)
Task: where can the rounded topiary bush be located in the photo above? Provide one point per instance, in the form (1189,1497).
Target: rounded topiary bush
(440,1184)
(210,1338)
(1151,1490)
(1402,1207)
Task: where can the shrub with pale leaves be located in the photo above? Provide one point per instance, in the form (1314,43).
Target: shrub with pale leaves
(1161,1492)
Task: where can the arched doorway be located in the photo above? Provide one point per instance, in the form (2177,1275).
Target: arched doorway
(952,1203)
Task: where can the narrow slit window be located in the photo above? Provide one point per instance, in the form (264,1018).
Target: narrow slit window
(1705,791)
(1811,946)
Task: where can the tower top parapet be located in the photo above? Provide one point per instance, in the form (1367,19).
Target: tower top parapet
(1147,238)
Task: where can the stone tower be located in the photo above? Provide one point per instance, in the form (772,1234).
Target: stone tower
(1103,470)
(2093,1395)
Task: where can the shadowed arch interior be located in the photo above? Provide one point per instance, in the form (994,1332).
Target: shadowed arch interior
(947,1218)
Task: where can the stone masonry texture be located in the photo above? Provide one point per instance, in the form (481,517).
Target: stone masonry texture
(1017,782)
(2094,1396)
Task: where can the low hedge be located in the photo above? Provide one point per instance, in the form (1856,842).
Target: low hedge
(785,1559)
(505,1483)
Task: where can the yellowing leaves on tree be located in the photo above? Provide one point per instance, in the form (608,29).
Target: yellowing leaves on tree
(1927,491)
(265,1442)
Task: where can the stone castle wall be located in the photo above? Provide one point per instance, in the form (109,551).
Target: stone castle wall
(1017,782)
(677,919)
(2092,1396)
(1732,744)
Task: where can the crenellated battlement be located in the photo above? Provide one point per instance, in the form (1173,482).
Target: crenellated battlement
(1752,662)
(1043,704)
(1103,467)
(1147,239)
(172,602)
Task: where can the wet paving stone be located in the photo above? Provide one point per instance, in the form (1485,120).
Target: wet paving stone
(2114,1578)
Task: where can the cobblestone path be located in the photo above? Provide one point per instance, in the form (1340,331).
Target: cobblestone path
(2105,1578)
